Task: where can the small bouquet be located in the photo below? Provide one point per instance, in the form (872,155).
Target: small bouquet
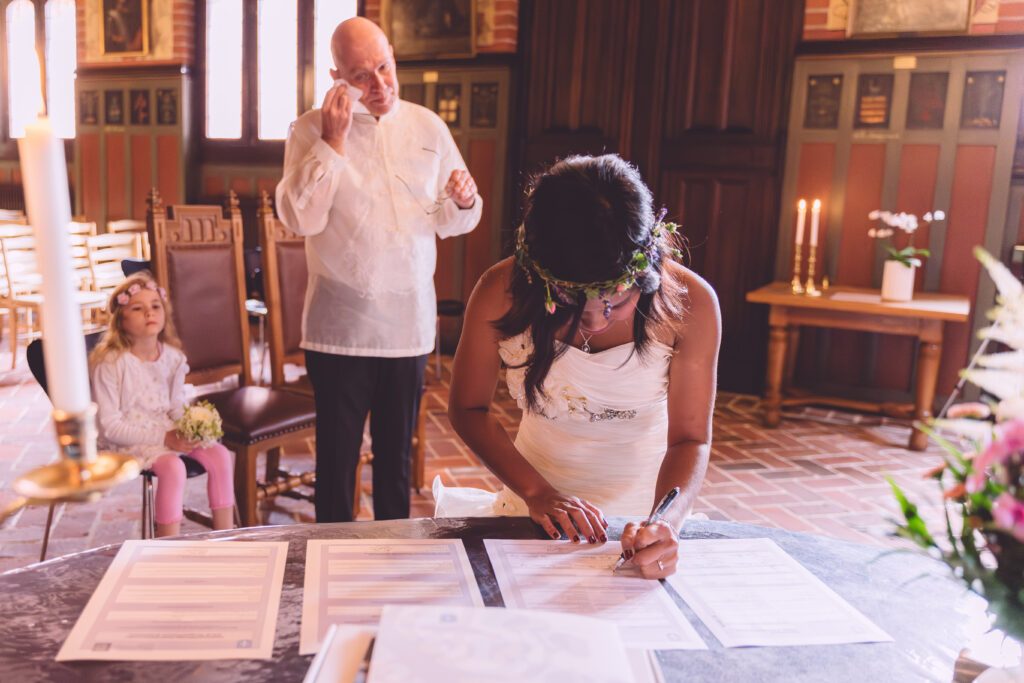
(981,478)
(200,422)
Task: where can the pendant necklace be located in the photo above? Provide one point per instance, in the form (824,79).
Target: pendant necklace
(586,342)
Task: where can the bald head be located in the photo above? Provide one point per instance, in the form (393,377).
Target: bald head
(353,38)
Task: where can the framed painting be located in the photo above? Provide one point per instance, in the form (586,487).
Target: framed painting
(926,105)
(982,106)
(167,107)
(823,93)
(88,108)
(874,101)
(113,108)
(884,17)
(140,107)
(125,27)
(430,29)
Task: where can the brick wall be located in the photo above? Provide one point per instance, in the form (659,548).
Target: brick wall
(497,24)
(826,19)
(171,34)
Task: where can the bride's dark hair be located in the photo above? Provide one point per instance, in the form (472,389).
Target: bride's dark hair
(584,220)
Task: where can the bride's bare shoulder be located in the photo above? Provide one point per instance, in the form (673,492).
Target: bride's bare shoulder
(700,309)
(491,292)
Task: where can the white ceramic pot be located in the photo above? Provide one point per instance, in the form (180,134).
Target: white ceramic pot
(897,282)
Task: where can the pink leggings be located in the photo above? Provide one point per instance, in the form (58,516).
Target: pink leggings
(170,481)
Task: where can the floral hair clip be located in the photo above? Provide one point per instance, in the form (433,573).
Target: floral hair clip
(124,297)
(565,291)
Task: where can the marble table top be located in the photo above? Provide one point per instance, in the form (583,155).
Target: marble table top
(930,616)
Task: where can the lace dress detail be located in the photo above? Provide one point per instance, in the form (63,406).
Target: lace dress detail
(600,433)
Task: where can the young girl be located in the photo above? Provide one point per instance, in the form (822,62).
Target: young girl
(138,381)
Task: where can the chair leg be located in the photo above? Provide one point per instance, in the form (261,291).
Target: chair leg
(273,465)
(14,336)
(46,532)
(437,349)
(245,483)
(148,514)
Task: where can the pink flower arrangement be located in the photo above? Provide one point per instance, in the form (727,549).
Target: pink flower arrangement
(124,297)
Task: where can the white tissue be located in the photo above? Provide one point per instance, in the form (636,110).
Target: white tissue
(354,95)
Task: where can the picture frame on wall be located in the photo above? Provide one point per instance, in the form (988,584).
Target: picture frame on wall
(124,29)
(874,18)
(140,107)
(113,108)
(982,106)
(926,104)
(874,101)
(430,29)
(823,95)
(88,108)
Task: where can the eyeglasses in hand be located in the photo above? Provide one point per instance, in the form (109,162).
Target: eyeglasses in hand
(429,210)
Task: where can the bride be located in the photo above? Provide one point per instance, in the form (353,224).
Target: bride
(611,349)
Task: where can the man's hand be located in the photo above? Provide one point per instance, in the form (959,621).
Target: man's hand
(336,117)
(461,188)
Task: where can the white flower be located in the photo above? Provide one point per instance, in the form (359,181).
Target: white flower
(200,414)
(874,215)
(872,232)
(928,217)
(1010,409)
(939,215)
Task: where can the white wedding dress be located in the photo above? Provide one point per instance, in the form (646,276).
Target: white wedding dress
(601,434)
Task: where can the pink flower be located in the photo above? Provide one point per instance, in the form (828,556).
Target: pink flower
(550,306)
(1009,439)
(1008,513)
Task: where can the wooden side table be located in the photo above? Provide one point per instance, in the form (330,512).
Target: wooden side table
(862,310)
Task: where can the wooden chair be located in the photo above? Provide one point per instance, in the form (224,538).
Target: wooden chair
(284,286)
(135,228)
(197,256)
(20,284)
(105,253)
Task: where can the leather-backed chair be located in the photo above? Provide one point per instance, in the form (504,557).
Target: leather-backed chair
(197,256)
(285,276)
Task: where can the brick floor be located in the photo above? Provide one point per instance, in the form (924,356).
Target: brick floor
(821,472)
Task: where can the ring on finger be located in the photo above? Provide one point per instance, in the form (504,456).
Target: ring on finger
(661,567)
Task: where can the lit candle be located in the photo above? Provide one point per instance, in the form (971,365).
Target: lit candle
(45,179)
(801,217)
(815,215)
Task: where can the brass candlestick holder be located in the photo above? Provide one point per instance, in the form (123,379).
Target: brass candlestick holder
(81,475)
(794,284)
(809,288)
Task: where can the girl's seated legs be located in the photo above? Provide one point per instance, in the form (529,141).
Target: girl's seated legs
(170,493)
(219,483)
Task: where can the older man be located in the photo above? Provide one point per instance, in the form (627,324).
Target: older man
(371,183)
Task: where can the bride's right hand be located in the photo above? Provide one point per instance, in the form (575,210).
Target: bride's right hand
(575,516)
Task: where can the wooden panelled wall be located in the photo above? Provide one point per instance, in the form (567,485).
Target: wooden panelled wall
(694,92)
(133,135)
(950,161)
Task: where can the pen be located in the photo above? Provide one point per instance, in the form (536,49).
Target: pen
(663,505)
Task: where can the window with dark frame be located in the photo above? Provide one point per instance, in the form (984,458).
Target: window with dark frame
(250,60)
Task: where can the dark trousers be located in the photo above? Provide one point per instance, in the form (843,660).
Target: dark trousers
(345,389)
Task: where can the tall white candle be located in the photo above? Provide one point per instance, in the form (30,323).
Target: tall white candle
(815,215)
(801,218)
(45,178)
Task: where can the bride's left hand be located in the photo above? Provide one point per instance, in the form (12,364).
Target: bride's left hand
(651,548)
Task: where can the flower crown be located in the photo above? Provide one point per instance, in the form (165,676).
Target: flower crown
(565,291)
(124,297)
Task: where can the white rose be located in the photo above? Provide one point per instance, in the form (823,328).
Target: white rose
(201,414)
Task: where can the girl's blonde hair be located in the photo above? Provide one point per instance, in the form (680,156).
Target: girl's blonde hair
(114,338)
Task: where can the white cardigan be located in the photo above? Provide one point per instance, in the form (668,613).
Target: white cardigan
(139,401)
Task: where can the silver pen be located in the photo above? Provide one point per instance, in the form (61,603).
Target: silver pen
(663,505)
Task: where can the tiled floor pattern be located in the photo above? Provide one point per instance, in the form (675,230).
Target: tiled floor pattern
(821,472)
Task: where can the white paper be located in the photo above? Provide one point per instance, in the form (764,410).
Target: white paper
(341,655)
(494,645)
(183,600)
(577,579)
(348,581)
(750,592)
(856,297)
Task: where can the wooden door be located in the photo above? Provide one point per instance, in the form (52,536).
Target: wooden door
(694,92)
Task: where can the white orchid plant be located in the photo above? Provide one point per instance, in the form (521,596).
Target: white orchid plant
(981,478)
(907,223)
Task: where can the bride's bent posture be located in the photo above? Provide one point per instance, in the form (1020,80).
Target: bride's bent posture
(611,349)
